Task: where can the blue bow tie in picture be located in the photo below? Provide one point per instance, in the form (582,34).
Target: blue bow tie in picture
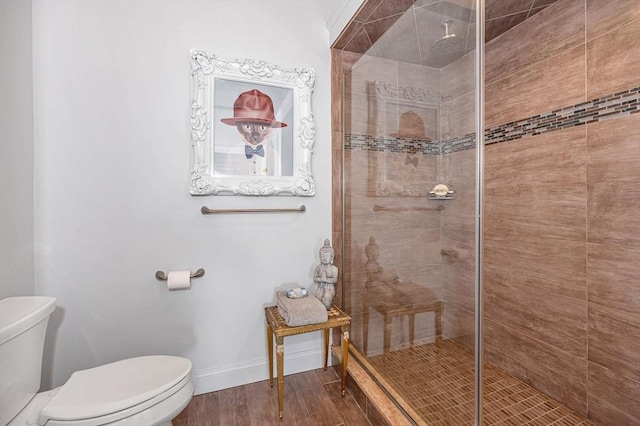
(249,151)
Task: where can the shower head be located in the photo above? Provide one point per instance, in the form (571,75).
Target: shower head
(449,43)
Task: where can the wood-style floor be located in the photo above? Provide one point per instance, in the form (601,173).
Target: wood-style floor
(310,398)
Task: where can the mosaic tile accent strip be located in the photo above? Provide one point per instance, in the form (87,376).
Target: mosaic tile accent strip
(615,105)
(391,144)
(461,143)
(610,106)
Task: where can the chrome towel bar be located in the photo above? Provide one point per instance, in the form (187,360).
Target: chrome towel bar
(207,210)
(405,209)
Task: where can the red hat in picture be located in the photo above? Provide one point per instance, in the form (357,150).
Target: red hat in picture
(253,106)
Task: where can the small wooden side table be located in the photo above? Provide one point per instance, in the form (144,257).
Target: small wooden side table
(277,326)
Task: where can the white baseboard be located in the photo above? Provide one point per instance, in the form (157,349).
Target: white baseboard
(254,371)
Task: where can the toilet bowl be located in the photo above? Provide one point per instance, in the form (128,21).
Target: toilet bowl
(142,391)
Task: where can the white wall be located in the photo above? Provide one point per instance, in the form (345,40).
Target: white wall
(112,163)
(16,150)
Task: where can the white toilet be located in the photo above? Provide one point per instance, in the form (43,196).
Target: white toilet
(144,391)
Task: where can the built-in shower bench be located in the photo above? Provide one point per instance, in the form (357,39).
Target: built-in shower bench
(398,300)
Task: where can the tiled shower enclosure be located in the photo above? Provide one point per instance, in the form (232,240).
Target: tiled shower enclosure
(555,264)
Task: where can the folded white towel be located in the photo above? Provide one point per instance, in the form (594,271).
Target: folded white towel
(302,311)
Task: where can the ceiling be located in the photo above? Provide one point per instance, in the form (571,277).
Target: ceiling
(405,30)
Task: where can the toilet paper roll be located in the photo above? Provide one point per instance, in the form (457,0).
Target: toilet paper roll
(179,280)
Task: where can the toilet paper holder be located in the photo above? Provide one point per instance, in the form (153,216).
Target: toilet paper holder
(163,277)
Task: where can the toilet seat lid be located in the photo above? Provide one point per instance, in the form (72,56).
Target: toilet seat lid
(115,387)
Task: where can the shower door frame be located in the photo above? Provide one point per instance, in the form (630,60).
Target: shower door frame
(479,110)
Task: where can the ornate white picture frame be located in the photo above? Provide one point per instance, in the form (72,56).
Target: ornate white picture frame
(252,129)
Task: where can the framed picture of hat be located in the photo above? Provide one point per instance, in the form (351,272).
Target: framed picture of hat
(252,130)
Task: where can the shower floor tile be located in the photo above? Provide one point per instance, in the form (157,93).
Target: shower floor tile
(436,380)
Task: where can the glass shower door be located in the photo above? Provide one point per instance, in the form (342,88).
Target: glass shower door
(410,196)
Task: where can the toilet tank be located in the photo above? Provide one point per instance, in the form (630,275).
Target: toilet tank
(23,326)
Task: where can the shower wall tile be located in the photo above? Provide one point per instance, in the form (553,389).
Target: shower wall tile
(354,273)
(535,10)
(459,288)
(603,17)
(549,266)
(365,11)
(338,66)
(458,268)
(535,260)
(614,197)
(336,185)
(613,212)
(355,170)
(614,340)
(541,87)
(399,174)
(457,78)
(390,8)
(404,51)
(537,163)
(337,78)
(369,68)
(425,275)
(418,247)
(463,242)
(498,26)
(556,29)
(419,169)
(612,275)
(383,225)
(497,8)
(546,317)
(459,325)
(360,42)
(553,371)
(349,60)
(342,298)
(396,28)
(535,187)
(613,399)
(411,75)
(459,216)
(459,170)
(605,141)
(385,232)
(347,36)
(458,226)
(613,61)
(355,115)
(460,11)
(351,176)
(415,220)
(458,116)
(541,3)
